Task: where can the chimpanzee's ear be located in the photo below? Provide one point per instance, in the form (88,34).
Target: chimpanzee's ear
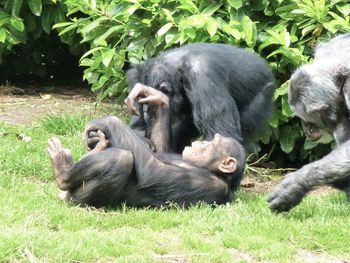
(228,165)
(316,108)
(346,92)
(133,76)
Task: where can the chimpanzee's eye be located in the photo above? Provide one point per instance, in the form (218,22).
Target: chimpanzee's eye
(165,87)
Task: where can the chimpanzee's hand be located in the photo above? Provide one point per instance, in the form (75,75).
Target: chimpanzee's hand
(102,142)
(148,95)
(91,134)
(289,193)
(91,139)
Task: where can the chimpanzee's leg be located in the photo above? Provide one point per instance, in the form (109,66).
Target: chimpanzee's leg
(98,179)
(119,135)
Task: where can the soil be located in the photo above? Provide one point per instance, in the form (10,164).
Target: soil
(23,106)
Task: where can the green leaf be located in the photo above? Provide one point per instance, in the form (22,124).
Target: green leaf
(91,77)
(14,36)
(98,41)
(17,24)
(286,8)
(171,38)
(194,21)
(228,29)
(90,52)
(67,29)
(286,38)
(286,111)
(308,144)
(249,30)
(266,135)
(102,80)
(211,26)
(16,8)
(212,8)
(282,90)
(2,35)
(107,56)
(168,15)
(235,3)
(92,25)
(64,24)
(93,4)
(344,9)
(47,20)
(30,22)
(287,139)
(189,6)
(164,29)
(35,6)
(274,120)
(298,12)
(191,32)
(86,62)
(307,29)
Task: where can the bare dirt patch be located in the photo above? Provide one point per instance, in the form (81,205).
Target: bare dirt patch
(29,106)
(265,184)
(319,257)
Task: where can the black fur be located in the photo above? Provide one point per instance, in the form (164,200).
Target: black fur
(212,88)
(128,171)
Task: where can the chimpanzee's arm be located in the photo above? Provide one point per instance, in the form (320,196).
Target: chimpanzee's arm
(333,168)
(92,139)
(207,91)
(161,133)
(342,132)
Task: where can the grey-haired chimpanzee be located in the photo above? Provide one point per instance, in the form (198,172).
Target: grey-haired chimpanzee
(319,93)
(212,88)
(122,168)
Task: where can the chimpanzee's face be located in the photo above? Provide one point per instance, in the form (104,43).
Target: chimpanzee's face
(205,154)
(315,100)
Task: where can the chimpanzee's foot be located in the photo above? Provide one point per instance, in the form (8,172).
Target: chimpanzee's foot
(62,161)
(64,195)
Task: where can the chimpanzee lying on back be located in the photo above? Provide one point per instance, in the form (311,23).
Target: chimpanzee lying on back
(121,168)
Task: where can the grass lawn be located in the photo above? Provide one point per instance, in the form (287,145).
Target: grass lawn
(35,226)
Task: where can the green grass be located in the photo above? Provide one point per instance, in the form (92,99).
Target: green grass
(36,225)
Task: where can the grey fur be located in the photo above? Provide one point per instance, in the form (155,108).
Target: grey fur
(319,93)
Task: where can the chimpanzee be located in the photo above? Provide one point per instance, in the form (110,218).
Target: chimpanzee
(319,94)
(212,88)
(122,168)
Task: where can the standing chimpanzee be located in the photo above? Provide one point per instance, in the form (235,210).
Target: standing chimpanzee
(212,88)
(319,94)
(122,168)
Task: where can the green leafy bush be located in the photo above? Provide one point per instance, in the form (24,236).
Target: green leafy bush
(28,46)
(118,33)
